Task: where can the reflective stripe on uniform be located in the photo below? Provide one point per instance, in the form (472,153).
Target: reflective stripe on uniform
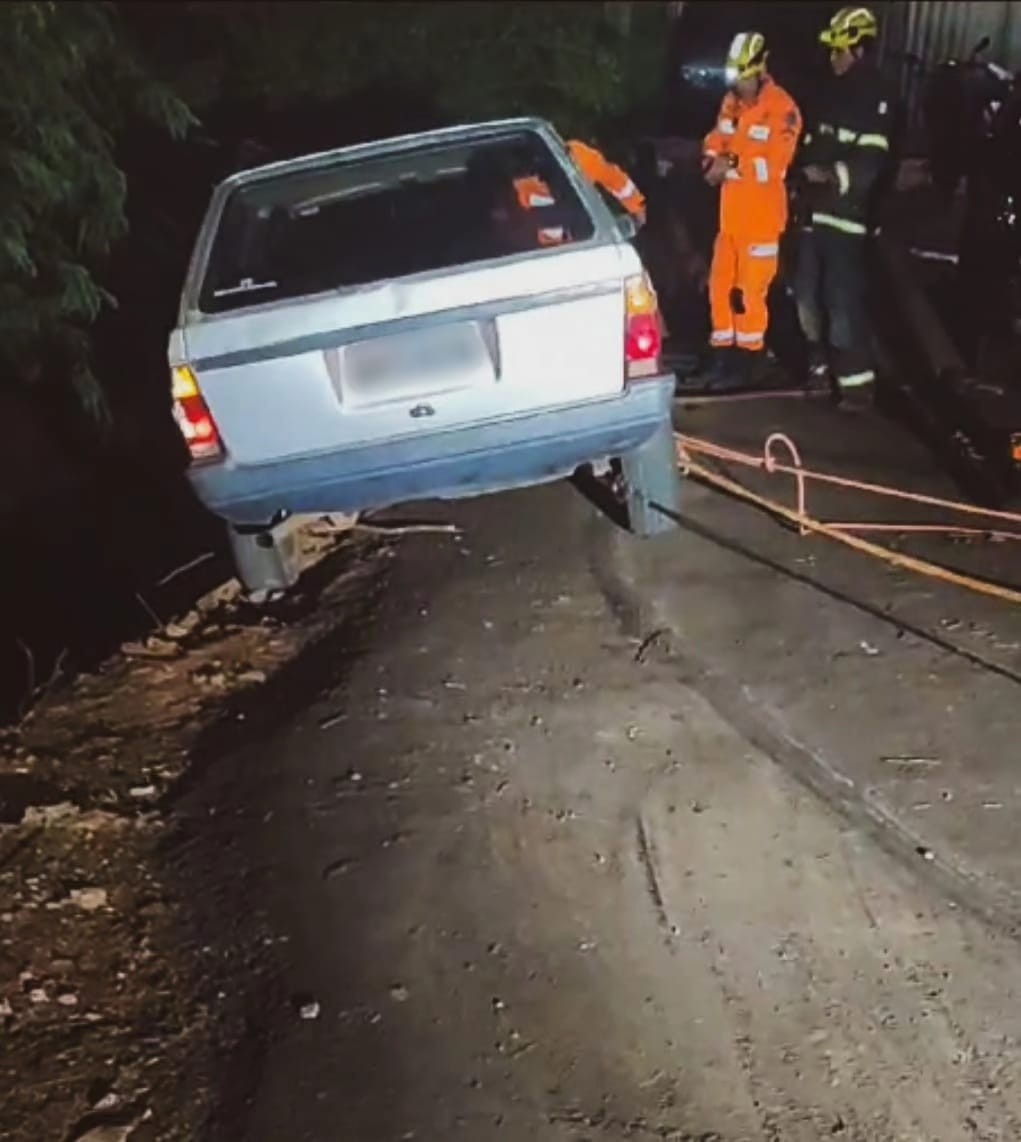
(722,337)
(759,131)
(727,126)
(843,224)
(750,338)
(626,191)
(732,174)
(761,168)
(846,135)
(843,177)
(827,129)
(541,200)
(856,380)
(764,250)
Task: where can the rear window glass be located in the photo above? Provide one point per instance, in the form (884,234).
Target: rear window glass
(353,223)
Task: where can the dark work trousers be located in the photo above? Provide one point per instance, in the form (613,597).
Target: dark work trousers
(829,286)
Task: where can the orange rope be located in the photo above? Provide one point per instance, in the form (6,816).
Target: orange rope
(767,462)
(842,532)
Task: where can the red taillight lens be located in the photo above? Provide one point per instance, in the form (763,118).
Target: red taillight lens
(193,416)
(643,340)
(643,334)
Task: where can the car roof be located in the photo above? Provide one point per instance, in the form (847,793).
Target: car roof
(395,145)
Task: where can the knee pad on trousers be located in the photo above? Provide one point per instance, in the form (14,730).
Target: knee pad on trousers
(737,301)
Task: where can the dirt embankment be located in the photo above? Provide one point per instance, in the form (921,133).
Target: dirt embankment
(121,936)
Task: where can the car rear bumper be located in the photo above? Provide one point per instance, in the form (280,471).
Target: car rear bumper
(443,465)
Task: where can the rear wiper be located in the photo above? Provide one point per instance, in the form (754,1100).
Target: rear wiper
(246,285)
(343,194)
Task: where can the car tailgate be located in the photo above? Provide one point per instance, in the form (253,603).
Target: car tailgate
(435,352)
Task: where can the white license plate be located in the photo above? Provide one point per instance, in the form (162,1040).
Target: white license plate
(428,360)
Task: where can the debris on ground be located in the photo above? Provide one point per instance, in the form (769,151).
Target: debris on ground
(106,976)
(308,1009)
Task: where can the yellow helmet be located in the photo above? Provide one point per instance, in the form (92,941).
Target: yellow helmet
(746,56)
(848,28)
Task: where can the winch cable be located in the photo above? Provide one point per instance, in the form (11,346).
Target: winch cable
(688,447)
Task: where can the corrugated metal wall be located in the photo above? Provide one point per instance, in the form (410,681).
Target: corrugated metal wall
(937,29)
(934,30)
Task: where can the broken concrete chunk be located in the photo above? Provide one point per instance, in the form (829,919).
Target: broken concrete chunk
(41,816)
(307,1007)
(89,899)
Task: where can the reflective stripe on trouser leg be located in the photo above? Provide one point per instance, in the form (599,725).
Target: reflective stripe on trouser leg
(722,280)
(751,339)
(756,269)
(857,380)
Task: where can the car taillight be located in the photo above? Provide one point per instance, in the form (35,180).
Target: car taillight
(193,416)
(643,334)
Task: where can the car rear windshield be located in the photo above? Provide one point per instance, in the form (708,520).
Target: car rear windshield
(337,226)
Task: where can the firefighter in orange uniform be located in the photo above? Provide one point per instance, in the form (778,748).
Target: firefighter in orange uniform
(533,193)
(747,153)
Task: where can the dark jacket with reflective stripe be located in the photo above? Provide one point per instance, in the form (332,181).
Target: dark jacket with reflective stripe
(853,138)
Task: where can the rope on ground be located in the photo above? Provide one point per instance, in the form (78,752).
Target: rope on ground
(688,446)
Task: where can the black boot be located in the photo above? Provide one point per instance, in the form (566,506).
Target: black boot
(722,374)
(856,380)
(857,398)
(752,369)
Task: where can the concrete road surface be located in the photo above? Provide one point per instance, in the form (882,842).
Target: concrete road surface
(534,880)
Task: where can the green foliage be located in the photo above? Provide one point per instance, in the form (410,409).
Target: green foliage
(476,59)
(70,84)
(73,81)
(644,57)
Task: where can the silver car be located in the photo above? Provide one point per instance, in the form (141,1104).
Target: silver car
(388,322)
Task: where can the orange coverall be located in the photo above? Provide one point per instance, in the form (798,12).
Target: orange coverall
(762,136)
(533,192)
